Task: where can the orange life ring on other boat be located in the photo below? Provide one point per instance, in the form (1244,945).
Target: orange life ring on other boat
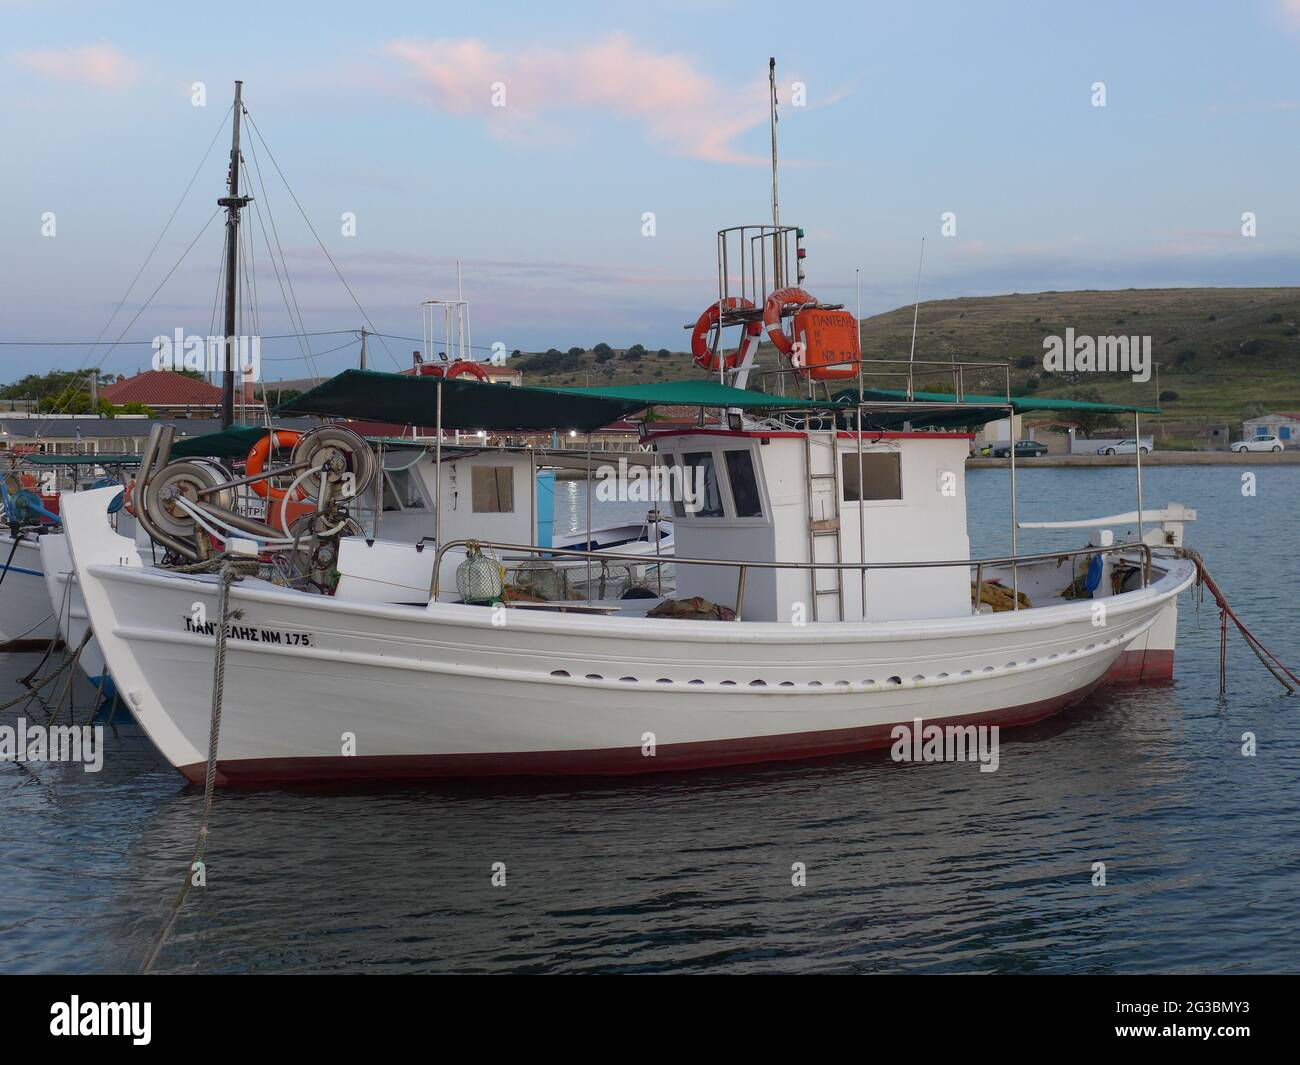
(127,503)
(457,369)
(257,463)
(27,480)
(702,348)
(463,366)
(774,308)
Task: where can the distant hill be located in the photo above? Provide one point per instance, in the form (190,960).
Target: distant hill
(1223,353)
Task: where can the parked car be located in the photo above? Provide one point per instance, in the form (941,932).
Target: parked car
(1124,447)
(1025,449)
(1258,443)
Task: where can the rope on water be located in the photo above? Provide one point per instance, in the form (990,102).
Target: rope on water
(56,639)
(230,572)
(1284,676)
(65,695)
(31,693)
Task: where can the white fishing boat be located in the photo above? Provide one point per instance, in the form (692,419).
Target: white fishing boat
(829,533)
(26,619)
(30,616)
(329,687)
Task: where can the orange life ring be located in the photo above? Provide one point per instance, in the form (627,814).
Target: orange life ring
(456,369)
(127,504)
(774,308)
(702,348)
(464,366)
(257,463)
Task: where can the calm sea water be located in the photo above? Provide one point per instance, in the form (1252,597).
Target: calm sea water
(927,868)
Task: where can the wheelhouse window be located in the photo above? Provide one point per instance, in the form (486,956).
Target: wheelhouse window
(493,489)
(402,491)
(673,487)
(701,485)
(744,484)
(880,476)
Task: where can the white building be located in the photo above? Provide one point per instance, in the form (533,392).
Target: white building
(1284,425)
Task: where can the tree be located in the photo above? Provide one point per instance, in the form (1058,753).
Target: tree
(1089,421)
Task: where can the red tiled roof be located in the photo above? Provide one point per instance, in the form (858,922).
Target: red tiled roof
(163,388)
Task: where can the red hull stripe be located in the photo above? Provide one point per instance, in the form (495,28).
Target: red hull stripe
(615,761)
(1144,666)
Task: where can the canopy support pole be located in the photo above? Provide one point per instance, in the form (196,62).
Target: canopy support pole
(589,547)
(1137,454)
(437,470)
(1015,573)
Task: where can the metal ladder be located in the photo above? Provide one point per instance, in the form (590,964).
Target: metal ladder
(822,527)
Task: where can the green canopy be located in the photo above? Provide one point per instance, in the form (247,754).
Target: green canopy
(231,443)
(893,408)
(403,399)
(692,393)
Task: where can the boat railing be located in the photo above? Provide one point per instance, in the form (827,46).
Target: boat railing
(744,566)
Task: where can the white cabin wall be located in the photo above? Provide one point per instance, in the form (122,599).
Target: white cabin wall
(926,525)
(459,521)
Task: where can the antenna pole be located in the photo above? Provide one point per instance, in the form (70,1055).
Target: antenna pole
(777,265)
(232,203)
(916,310)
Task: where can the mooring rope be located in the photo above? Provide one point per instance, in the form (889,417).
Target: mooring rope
(1270,661)
(230,569)
(31,693)
(67,684)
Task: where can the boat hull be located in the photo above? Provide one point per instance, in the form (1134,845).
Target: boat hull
(70,614)
(324,689)
(26,620)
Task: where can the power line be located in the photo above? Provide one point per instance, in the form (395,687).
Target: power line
(149,343)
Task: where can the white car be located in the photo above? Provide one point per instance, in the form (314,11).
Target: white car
(1258,443)
(1124,447)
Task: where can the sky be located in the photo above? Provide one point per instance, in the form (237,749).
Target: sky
(531,140)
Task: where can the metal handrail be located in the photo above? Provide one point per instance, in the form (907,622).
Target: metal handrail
(979,563)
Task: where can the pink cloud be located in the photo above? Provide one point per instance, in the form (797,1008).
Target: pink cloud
(683,109)
(100,65)
(1290,11)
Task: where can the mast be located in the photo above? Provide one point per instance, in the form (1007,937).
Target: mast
(777,270)
(232,203)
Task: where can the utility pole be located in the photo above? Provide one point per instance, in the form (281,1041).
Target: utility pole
(363,349)
(233,203)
